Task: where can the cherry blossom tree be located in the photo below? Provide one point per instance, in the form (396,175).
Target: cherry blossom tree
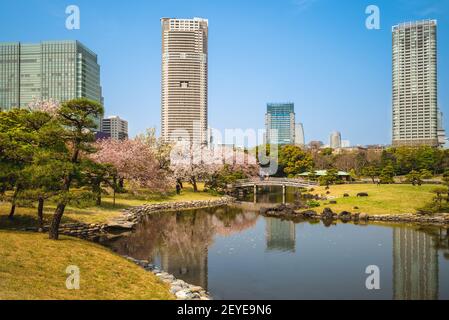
(134,161)
(194,163)
(49,106)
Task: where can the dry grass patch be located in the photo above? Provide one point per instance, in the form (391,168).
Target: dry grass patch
(33,267)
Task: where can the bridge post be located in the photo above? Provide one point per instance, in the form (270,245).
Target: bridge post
(255,193)
(284,194)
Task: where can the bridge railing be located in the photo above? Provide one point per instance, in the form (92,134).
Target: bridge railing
(275,181)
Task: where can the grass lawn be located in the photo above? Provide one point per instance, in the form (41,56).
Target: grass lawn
(33,267)
(383,199)
(26,217)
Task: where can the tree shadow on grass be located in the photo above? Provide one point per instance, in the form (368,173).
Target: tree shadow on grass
(22,221)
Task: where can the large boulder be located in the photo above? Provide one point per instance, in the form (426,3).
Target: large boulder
(362,194)
(309,214)
(327,214)
(345,216)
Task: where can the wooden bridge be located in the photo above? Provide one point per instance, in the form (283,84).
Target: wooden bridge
(272,182)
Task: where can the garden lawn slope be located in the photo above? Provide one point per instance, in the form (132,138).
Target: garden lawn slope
(383,199)
(33,267)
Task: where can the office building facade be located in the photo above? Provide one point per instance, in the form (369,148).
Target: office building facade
(59,70)
(115,127)
(280,123)
(441,133)
(184,96)
(415,105)
(335,140)
(299,135)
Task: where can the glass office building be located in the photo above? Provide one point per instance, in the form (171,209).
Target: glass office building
(280,123)
(60,70)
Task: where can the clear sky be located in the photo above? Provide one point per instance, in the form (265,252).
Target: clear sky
(315,53)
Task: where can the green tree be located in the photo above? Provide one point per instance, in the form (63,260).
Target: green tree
(387,175)
(414,177)
(294,160)
(330,178)
(78,118)
(372,172)
(23,133)
(439,196)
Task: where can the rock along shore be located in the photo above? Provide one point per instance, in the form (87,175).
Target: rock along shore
(181,289)
(289,212)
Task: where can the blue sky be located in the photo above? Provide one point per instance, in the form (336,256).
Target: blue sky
(315,53)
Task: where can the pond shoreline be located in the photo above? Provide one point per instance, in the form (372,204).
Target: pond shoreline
(126,222)
(289,212)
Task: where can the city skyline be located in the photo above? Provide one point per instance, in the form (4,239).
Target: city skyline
(373,52)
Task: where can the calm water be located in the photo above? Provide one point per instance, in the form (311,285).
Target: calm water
(236,254)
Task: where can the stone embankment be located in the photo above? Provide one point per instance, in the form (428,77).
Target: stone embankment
(290,212)
(181,289)
(130,217)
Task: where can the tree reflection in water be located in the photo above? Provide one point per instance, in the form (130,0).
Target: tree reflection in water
(179,241)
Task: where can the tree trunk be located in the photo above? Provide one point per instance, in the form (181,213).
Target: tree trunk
(13,204)
(54,227)
(40,213)
(98,201)
(195,186)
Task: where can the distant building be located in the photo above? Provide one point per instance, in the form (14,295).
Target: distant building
(315,144)
(415,100)
(299,135)
(441,132)
(102,135)
(335,140)
(280,123)
(58,70)
(115,127)
(345,143)
(184,79)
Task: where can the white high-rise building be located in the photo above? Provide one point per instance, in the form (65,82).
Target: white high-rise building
(299,135)
(116,128)
(415,104)
(335,140)
(442,139)
(345,143)
(184,79)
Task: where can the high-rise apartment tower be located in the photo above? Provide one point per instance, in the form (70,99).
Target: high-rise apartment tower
(184,79)
(415,105)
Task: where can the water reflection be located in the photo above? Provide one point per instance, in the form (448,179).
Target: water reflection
(281,235)
(232,252)
(415,265)
(179,241)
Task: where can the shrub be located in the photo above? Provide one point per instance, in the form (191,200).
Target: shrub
(313,204)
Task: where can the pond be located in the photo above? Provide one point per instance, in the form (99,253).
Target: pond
(235,253)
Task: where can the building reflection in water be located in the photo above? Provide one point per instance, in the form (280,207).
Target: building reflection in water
(415,265)
(280,235)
